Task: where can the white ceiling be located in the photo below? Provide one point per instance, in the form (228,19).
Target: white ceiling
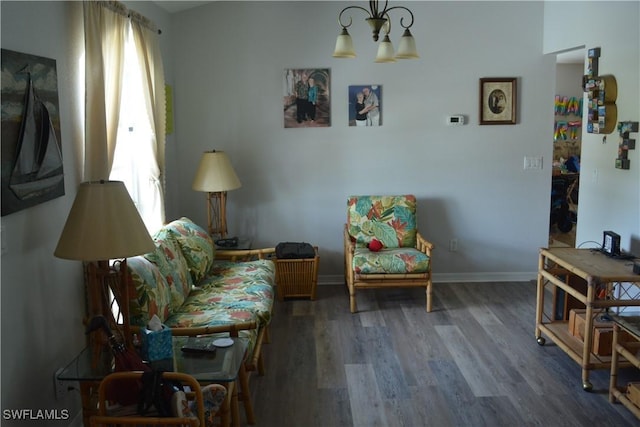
(179,6)
(173,6)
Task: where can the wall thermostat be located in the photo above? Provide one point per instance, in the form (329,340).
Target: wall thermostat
(455,120)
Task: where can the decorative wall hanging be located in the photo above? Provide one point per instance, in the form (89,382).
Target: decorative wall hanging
(32,170)
(365,105)
(602,92)
(498,98)
(626,144)
(306,98)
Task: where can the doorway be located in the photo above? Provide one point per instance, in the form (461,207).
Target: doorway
(567,146)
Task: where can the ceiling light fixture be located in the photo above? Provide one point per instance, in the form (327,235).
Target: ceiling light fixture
(379,20)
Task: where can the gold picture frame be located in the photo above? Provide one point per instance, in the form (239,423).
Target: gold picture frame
(498,97)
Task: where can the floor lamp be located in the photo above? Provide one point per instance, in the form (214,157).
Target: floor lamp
(216,176)
(104,225)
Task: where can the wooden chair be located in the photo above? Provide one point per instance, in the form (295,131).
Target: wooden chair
(110,416)
(405,257)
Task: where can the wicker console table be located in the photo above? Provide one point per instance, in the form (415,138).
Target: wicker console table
(628,350)
(601,274)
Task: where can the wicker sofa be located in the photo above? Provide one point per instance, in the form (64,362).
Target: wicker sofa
(195,290)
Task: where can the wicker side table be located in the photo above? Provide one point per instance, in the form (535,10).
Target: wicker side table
(297,278)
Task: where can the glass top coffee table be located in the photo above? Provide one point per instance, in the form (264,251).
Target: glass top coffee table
(223,366)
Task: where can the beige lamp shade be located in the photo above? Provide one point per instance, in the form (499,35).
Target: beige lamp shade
(344,46)
(103,224)
(215,173)
(407,46)
(385,50)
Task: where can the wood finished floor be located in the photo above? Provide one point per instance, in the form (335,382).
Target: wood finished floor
(473,361)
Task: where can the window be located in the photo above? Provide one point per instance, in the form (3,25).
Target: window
(134,159)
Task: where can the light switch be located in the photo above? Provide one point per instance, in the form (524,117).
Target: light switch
(533,163)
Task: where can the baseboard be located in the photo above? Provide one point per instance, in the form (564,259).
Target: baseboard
(330,279)
(485,277)
(336,279)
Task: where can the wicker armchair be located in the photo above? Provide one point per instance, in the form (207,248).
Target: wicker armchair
(405,257)
(197,411)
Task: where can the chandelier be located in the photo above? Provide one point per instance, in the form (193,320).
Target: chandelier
(379,20)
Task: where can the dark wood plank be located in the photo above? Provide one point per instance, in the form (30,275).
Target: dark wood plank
(473,361)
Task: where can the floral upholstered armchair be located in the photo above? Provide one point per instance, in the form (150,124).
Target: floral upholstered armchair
(398,257)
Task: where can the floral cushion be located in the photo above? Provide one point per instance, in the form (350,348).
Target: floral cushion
(173,266)
(215,317)
(227,292)
(236,286)
(196,244)
(152,292)
(389,219)
(257,271)
(390,261)
(213,396)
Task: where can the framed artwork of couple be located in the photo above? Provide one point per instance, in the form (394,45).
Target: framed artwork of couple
(498,100)
(306,99)
(365,105)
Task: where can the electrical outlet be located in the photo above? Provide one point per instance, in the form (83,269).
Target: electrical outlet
(453,245)
(61,388)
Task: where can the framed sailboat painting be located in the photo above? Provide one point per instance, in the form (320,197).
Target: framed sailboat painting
(32,171)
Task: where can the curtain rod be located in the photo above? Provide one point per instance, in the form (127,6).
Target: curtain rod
(118,7)
(143,20)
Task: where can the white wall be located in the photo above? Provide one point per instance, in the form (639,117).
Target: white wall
(229,63)
(42,297)
(469,180)
(609,198)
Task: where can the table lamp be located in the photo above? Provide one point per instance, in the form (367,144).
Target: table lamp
(104,225)
(216,176)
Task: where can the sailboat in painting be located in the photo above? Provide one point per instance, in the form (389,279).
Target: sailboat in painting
(38,166)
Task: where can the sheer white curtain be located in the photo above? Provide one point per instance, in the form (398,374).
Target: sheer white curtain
(145,37)
(111,29)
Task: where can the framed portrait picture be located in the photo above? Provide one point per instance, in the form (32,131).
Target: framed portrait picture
(365,105)
(306,97)
(498,100)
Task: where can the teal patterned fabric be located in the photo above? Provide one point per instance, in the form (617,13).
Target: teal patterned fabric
(390,261)
(389,219)
(226,293)
(213,396)
(215,316)
(152,293)
(196,245)
(237,286)
(173,266)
